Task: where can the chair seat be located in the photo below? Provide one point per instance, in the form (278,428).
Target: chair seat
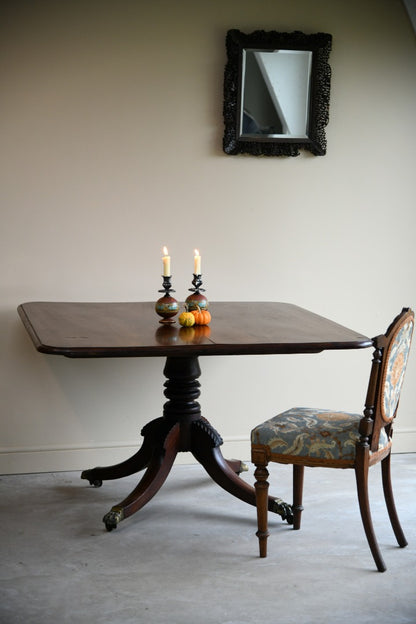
(312,433)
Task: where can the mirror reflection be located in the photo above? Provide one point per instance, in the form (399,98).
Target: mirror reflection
(275,93)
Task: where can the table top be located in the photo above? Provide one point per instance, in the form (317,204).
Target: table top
(133,330)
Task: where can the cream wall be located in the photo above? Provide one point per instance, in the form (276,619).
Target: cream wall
(111,146)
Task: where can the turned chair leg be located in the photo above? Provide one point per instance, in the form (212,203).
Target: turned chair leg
(297,507)
(391,507)
(262,488)
(362,489)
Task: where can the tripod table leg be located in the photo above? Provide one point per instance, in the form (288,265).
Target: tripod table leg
(151,482)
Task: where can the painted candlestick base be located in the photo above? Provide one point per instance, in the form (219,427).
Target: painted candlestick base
(197,300)
(167,307)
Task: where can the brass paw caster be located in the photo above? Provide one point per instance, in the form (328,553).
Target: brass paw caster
(243,468)
(96,483)
(238,466)
(112,518)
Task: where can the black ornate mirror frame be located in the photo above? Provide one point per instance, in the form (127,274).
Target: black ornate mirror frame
(320,46)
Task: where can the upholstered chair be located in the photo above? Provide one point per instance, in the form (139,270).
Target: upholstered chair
(304,436)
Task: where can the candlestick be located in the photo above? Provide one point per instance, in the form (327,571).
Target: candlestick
(197,263)
(197,300)
(166,306)
(166,262)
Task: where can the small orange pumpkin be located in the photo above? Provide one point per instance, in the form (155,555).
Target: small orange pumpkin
(202,317)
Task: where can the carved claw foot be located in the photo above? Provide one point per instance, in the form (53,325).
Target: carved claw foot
(112,518)
(283,509)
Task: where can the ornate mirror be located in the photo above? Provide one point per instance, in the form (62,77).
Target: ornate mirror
(276,93)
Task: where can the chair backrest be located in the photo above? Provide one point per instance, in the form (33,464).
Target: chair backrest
(387,373)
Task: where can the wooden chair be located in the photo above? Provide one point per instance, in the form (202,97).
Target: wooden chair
(316,437)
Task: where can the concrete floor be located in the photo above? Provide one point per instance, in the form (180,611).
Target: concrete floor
(190,556)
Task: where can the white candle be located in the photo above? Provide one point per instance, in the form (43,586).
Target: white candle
(197,263)
(166,262)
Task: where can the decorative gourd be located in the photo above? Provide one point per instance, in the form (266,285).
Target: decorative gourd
(186,319)
(202,317)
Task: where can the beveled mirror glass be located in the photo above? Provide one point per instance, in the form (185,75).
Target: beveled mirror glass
(276,93)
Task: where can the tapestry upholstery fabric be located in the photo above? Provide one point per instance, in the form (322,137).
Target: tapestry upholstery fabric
(309,432)
(395,369)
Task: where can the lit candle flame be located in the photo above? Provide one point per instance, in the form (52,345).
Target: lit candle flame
(165,251)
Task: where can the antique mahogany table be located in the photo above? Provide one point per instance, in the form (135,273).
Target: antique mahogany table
(96,330)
